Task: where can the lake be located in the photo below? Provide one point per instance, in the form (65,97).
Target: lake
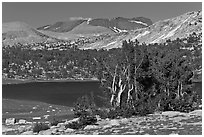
(60,93)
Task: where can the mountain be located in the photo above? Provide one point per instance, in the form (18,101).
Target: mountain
(118,24)
(177,27)
(19,32)
(105,33)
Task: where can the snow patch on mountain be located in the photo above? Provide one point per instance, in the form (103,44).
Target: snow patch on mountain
(118,30)
(139,22)
(142,34)
(89,19)
(46,27)
(109,44)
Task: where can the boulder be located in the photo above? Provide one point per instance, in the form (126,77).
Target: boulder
(114,122)
(98,118)
(200,106)
(46,116)
(95,133)
(54,131)
(45,132)
(62,128)
(73,120)
(22,121)
(27,133)
(36,118)
(10,121)
(107,126)
(27,128)
(124,120)
(53,127)
(89,127)
(22,129)
(61,124)
(68,130)
(27,122)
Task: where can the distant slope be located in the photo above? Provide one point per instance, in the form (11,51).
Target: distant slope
(19,32)
(120,24)
(85,28)
(65,26)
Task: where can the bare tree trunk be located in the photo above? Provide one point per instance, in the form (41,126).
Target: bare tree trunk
(113,87)
(135,81)
(181,92)
(129,98)
(178,91)
(122,88)
(112,99)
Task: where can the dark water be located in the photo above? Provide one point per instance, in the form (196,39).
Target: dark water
(60,93)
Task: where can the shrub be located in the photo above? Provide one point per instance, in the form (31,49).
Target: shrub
(84,106)
(74,125)
(186,103)
(103,113)
(87,120)
(55,122)
(39,127)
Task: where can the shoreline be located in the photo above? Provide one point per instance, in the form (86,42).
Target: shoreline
(6,81)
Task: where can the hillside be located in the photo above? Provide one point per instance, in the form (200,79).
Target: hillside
(19,32)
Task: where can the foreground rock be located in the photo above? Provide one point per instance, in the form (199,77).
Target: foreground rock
(10,121)
(166,123)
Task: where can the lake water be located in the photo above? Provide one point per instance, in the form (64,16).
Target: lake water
(60,93)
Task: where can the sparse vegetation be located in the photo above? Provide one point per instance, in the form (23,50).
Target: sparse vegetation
(39,127)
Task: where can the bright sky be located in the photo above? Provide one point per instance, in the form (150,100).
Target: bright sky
(39,14)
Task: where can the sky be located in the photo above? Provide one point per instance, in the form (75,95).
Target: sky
(38,14)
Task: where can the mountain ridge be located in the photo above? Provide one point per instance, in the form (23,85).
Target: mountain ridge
(102,35)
